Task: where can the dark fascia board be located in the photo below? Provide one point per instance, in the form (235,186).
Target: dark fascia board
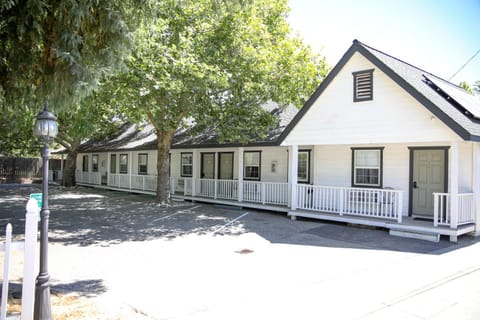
(358,47)
(225,145)
(325,83)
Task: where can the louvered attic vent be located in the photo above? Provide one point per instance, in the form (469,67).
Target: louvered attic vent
(363,85)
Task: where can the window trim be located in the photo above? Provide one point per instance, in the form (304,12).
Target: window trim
(113,164)
(120,163)
(380,176)
(146,164)
(95,169)
(85,165)
(259,165)
(181,165)
(355,75)
(308,151)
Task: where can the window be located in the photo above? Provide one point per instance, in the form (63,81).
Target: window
(367,167)
(124,163)
(363,85)
(186,164)
(251,165)
(95,163)
(142,163)
(303,172)
(85,163)
(113,163)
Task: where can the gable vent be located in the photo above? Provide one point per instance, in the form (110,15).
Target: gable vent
(363,85)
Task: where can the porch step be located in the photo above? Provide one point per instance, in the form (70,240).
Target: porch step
(428,236)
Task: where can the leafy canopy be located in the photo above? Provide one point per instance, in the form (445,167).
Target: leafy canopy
(216,62)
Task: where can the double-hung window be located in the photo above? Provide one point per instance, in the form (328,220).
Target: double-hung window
(142,163)
(123,163)
(367,167)
(85,163)
(186,164)
(363,85)
(95,163)
(113,163)
(303,171)
(251,165)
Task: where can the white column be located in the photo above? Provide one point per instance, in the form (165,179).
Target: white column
(476,184)
(109,158)
(130,169)
(453,185)
(195,170)
(240,174)
(292,175)
(61,165)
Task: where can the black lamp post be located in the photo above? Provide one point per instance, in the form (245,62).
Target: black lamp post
(46,130)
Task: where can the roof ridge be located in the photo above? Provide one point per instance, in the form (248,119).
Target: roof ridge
(404,62)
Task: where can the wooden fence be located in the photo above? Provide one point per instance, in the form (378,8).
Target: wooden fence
(13,169)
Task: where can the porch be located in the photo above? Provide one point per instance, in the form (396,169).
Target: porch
(453,215)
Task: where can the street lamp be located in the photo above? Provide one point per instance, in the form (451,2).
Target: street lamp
(46,130)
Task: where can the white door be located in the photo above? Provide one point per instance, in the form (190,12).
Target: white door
(428,177)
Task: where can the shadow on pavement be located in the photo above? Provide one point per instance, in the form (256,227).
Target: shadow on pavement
(85,216)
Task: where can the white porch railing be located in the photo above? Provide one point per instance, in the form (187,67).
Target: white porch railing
(29,248)
(266,192)
(144,182)
(443,213)
(88,177)
(253,191)
(375,203)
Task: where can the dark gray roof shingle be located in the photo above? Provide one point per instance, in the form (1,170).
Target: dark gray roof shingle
(143,136)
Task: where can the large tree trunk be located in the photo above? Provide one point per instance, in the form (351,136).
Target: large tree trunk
(164,139)
(68,179)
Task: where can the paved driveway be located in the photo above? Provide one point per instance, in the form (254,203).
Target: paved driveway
(137,259)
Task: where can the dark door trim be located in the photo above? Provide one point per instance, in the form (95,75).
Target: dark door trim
(202,173)
(410,179)
(220,163)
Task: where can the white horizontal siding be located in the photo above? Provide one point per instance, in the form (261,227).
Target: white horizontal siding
(333,166)
(465,174)
(393,116)
(268,155)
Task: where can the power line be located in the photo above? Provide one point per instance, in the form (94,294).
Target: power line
(464,65)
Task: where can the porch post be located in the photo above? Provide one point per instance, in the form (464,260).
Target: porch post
(476,185)
(292,175)
(109,158)
(240,174)
(195,167)
(61,165)
(130,170)
(453,185)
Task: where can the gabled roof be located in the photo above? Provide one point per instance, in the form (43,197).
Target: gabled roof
(143,137)
(454,106)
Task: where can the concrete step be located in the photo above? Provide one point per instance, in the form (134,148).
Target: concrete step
(421,235)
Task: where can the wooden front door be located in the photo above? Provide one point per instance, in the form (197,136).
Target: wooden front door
(428,177)
(225,165)
(208,166)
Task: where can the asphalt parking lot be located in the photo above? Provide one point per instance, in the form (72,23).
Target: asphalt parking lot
(198,261)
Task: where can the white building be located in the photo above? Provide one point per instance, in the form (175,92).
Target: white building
(380,142)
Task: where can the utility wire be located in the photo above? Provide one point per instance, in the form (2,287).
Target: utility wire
(464,65)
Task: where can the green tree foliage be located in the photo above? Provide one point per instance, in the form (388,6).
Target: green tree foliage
(92,118)
(59,52)
(215,62)
(466,86)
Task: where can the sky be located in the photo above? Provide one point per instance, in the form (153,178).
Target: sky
(439,36)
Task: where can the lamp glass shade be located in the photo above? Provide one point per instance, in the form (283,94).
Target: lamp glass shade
(46,127)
